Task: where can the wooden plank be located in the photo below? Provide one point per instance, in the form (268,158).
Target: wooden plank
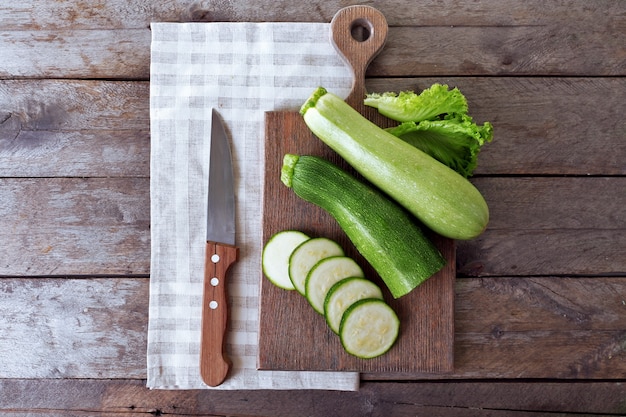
(73,105)
(542,226)
(96,53)
(435,50)
(100,128)
(523,50)
(87,153)
(507,327)
(89,14)
(73,328)
(553,203)
(561,226)
(450,399)
(539,327)
(74,128)
(543,252)
(74,226)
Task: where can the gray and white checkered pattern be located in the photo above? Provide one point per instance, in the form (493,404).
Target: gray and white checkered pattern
(243,70)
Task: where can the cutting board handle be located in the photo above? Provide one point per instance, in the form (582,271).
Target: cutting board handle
(358,33)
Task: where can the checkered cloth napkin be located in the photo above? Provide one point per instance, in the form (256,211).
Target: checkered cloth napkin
(243,70)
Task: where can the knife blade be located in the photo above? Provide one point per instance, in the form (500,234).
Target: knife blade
(220,254)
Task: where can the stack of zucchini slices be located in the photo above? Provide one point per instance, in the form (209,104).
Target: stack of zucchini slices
(335,286)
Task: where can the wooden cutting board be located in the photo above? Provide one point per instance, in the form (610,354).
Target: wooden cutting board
(292,336)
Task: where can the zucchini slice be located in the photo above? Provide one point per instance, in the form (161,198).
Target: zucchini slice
(306,255)
(345,293)
(369,328)
(325,274)
(275,257)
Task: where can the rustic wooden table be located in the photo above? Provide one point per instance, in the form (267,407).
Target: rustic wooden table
(540,297)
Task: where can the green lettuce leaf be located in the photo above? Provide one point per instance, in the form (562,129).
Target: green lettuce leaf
(408,106)
(437,122)
(455,140)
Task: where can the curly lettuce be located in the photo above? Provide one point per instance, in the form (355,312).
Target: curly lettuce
(437,122)
(454,140)
(407,106)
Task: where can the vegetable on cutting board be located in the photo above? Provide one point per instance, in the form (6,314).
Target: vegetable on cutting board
(275,257)
(324,274)
(369,328)
(438,196)
(304,257)
(437,122)
(343,294)
(385,234)
(335,286)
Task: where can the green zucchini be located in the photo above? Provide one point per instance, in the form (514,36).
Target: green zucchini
(386,235)
(442,199)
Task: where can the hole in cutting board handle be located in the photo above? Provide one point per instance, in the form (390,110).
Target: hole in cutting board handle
(361,30)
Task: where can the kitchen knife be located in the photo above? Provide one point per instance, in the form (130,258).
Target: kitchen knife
(220,254)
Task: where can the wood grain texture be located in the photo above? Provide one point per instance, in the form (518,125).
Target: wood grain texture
(89,226)
(549,75)
(74,105)
(73,328)
(517,50)
(134,14)
(512,323)
(74,128)
(570,328)
(375,399)
(543,226)
(538,226)
(101,128)
(90,53)
(441,51)
(81,153)
(558,252)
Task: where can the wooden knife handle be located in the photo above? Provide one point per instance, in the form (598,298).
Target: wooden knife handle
(214,363)
(358,33)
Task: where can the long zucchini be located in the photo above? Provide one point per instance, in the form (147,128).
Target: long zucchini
(385,234)
(442,199)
